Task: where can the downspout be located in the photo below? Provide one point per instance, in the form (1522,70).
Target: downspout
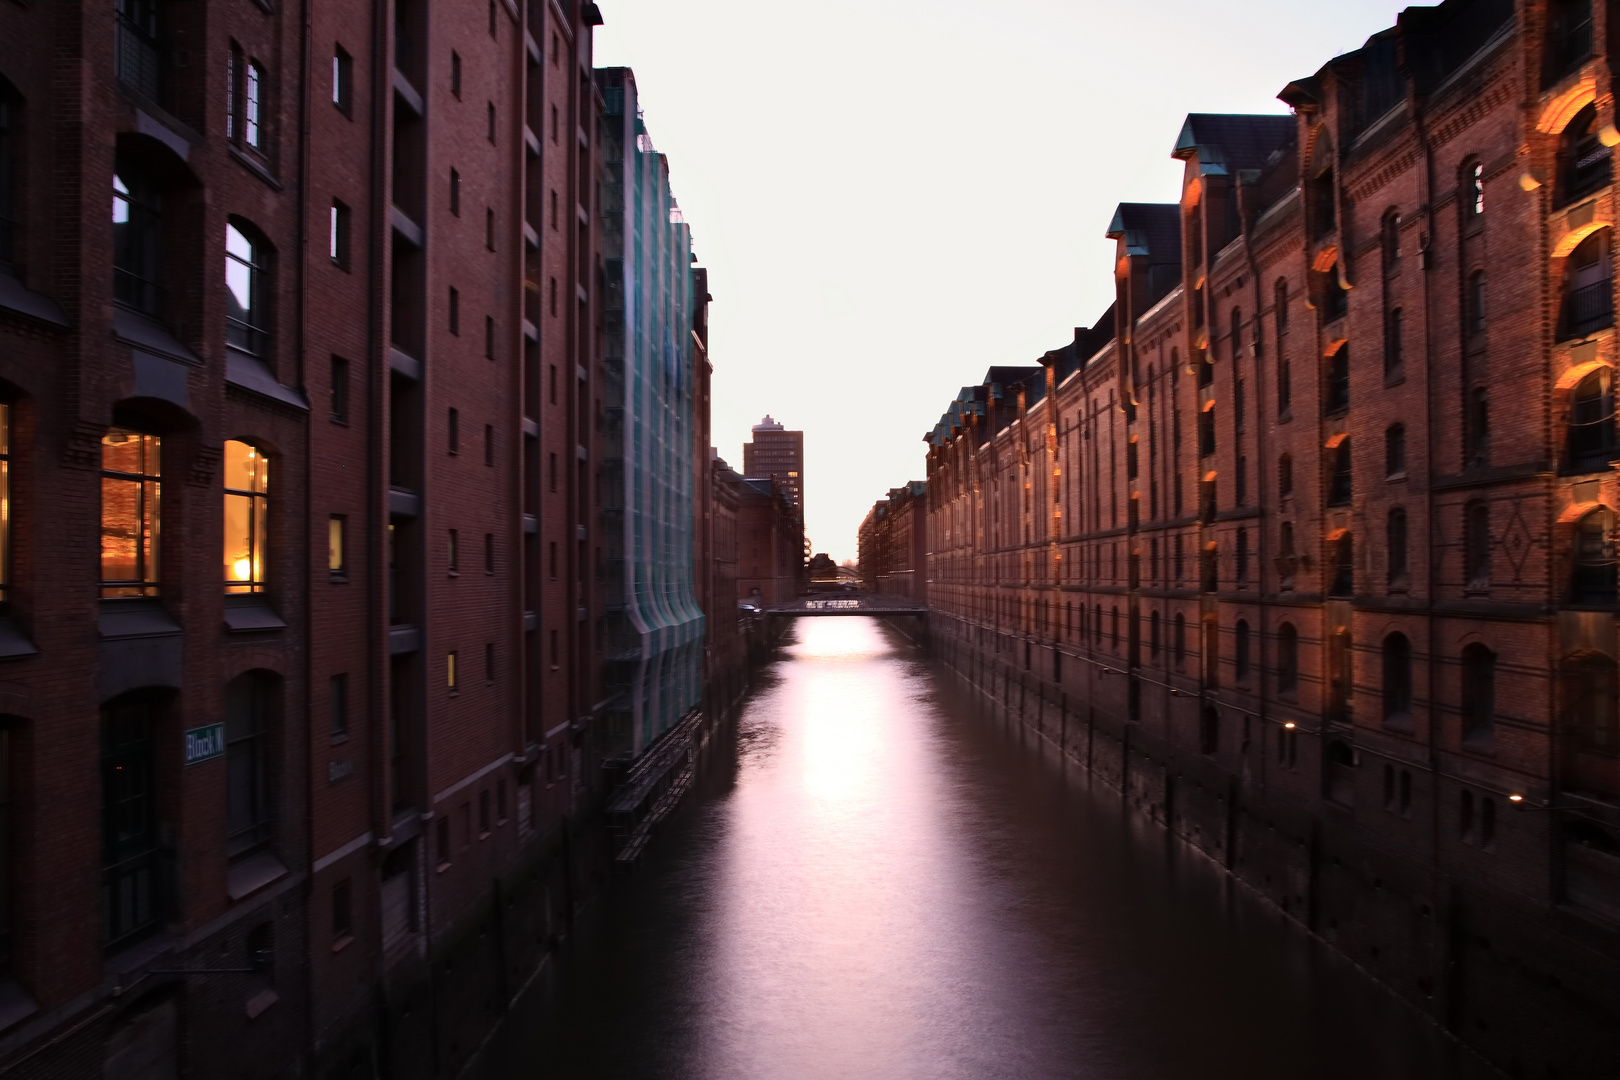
(305,72)
(1261,456)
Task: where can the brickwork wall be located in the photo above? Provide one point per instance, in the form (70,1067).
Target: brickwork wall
(1128,541)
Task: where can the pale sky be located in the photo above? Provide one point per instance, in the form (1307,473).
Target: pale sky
(893,195)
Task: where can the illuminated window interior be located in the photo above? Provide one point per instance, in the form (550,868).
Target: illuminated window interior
(247,481)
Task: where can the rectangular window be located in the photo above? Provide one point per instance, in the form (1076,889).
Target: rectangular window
(6,856)
(131,495)
(489,228)
(455,73)
(454,425)
(233,73)
(339,716)
(455,192)
(5,515)
(247,512)
(492,121)
(552,558)
(489,337)
(338,245)
(483,814)
(489,553)
(455,311)
(450,671)
(137,251)
(489,444)
(340,390)
(342,911)
(335,547)
(554,384)
(248,701)
(454,551)
(492,18)
(342,79)
(489,665)
(253,107)
(551,464)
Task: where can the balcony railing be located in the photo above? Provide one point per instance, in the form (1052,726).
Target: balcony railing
(1587,173)
(1587,310)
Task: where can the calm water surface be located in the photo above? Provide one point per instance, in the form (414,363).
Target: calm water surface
(888,883)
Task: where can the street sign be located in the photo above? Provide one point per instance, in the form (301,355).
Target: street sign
(205,743)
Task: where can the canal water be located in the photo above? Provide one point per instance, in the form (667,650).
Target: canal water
(881,880)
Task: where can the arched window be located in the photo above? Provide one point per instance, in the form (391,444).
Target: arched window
(1472,183)
(137,215)
(1592,560)
(1389,241)
(1344,566)
(1212,652)
(1285,474)
(1395,450)
(1153,634)
(1394,336)
(250,708)
(1477,546)
(1337,395)
(1477,434)
(247,493)
(1339,487)
(1180,639)
(1478,697)
(1287,559)
(1583,160)
(1591,422)
(1588,299)
(1240,655)
(1590,728)
(1340,775)
(1237,333)
(1397,678)
(1209,731)
(1474,310)
(1279,309)
(1287,659)
(135,867)
(246,287)
(1285,387)
(1395,539)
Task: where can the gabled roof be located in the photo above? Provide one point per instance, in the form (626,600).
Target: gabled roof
(1226,142)
(1151,229)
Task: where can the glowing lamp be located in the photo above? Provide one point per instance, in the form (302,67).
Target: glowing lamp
(242,568)
(1515,798)
(1289,725)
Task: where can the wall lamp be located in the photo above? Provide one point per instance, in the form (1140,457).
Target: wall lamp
(1519,804)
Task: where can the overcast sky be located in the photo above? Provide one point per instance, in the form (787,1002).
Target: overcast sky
(893,195)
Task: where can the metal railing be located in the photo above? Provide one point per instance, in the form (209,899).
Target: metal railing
(1588,309)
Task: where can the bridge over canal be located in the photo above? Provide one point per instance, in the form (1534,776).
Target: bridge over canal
(848,603)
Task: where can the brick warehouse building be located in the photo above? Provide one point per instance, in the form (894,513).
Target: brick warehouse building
(893,543)
(1308,545)
(315,814)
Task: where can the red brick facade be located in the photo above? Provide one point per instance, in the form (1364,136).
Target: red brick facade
(1309,545)
(404,202)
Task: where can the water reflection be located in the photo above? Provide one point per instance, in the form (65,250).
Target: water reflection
(889,885)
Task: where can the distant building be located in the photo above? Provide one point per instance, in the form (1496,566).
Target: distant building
(770,544)
(894,543)
(778,455)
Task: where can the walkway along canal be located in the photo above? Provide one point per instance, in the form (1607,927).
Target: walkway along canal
(879,879)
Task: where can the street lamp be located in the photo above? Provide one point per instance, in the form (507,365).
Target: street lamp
(1519,804)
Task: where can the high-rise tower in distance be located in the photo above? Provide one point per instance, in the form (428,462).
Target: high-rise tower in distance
(779,455)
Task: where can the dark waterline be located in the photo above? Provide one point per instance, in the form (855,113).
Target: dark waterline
(890,883)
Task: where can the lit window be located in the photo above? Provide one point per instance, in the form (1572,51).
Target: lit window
(342,77)
(244,282)
(247,482)
(5,504)
(335,546)
(450,671)
(131,487)
(339,241)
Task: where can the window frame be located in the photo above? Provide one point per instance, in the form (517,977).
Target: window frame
(257,500)
(148,515)
(247,326)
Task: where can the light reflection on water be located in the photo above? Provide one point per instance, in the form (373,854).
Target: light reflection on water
(890,885)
